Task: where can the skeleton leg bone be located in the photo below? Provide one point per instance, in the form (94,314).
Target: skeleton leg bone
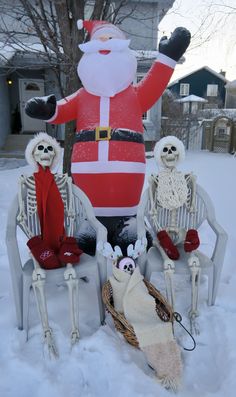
(73,289)
(39,277)
(169,269)
(194,266)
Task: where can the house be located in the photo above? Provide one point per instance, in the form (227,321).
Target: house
(26,73)
(204,83)
(230,99)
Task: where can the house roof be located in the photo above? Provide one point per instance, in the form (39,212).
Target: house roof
(219,75)
(7,52)
(192,98)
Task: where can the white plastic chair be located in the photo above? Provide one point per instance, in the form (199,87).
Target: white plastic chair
(211,266)
(89,267)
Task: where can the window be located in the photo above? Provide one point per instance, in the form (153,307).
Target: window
(186,107)
(194,107)
(212,89)
(184,89)
(221,131)
(32,87)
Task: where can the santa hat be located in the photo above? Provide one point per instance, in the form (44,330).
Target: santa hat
(98,28)
(42,136)
(169,140)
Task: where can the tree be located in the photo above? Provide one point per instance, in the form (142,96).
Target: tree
(53,24)
(176,122)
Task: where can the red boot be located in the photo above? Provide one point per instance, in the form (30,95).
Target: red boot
(168,246)
(69,251)
(192,241)
(44,255)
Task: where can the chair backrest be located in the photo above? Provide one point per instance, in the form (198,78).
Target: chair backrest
(203,210)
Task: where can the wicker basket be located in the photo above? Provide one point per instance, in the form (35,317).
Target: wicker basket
(163,310)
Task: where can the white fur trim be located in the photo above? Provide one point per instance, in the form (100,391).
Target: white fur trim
(42,136)
(108,167)
(115,211)
(107,29)
(80,24)
(162,58)
(169,140)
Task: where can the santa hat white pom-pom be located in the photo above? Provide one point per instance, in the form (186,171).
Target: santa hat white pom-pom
(80,24)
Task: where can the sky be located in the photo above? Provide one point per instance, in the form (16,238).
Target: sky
(212,26)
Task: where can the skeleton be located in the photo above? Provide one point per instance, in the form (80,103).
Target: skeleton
(171,189)
(44,155)
(125,263)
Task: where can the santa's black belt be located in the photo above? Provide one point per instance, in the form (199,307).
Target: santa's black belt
(107,134)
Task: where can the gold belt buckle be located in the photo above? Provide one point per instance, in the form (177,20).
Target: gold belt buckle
(103,133)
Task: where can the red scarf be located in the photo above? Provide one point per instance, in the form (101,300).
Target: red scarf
(50,208)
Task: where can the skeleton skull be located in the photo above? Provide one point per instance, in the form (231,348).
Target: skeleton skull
(169,155)
(126,264)
(44,154)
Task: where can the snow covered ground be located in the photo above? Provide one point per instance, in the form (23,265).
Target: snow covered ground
(103,364)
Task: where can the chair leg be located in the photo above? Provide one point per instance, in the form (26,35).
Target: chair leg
(210,286)
(94,275)
(27,284)
(100,303)
(148,272)
(216,279)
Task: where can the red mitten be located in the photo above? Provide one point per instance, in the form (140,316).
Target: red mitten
(192,241)
(69,251)
(44,255)
(168,246)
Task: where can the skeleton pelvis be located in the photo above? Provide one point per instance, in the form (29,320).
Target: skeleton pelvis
(177,235)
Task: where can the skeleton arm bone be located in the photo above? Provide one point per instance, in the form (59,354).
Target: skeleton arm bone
(153,184)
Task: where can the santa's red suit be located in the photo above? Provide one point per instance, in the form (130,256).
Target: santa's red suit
(108,165)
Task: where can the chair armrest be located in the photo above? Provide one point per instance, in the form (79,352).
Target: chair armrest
(11,238)
(141,228)
(221,240)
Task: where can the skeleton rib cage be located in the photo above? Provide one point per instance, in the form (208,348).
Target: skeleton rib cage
(28,215)
(190,215)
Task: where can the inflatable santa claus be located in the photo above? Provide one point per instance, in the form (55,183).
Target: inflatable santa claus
(108,159)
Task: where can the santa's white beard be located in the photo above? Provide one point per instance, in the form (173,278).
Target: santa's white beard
(107,75)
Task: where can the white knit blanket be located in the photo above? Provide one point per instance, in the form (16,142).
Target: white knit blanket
(155,337)
(132,298)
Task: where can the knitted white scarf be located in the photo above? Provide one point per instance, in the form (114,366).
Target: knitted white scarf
(172,189)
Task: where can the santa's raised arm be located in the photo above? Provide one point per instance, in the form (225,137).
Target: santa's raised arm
(108,159)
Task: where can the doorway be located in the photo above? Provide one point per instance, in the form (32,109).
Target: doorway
(29,88)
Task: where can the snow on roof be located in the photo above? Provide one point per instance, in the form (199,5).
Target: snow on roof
(219,75)
(143,54)
(7,52)
(192,98)
(213,113)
